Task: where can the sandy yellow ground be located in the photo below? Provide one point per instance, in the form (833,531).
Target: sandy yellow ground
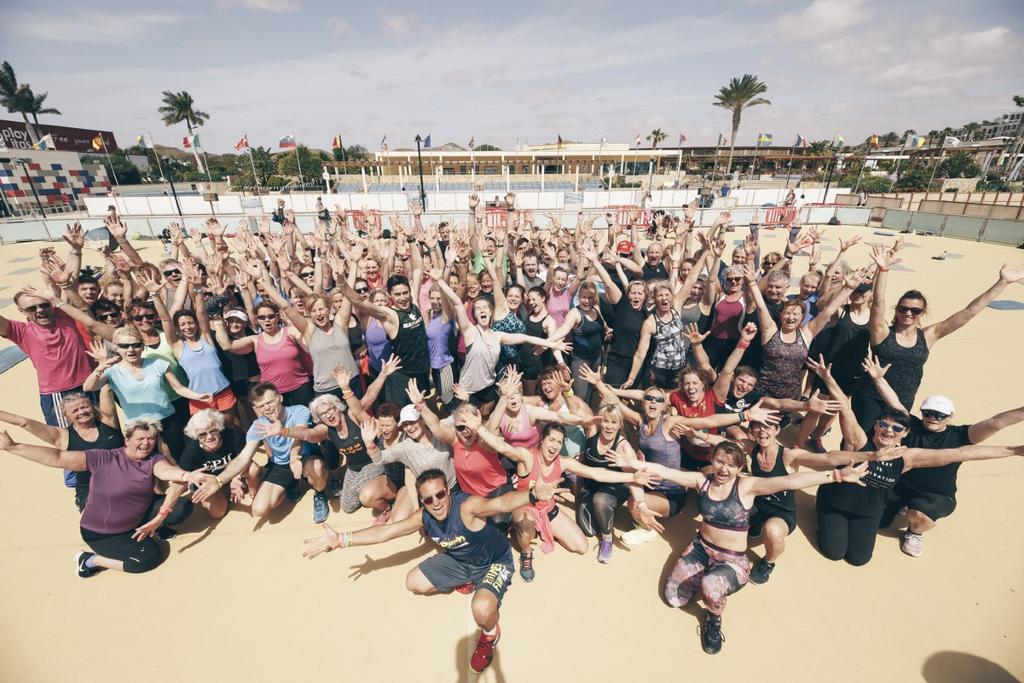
(234,602)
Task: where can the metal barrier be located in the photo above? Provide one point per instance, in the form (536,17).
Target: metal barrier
(780,215)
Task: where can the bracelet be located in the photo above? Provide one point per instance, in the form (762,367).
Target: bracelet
(345,540)
(568,393)
(286,432)
(742,416)
(883,270)
(743,344)
(837,475)
(65,285)
(59,303)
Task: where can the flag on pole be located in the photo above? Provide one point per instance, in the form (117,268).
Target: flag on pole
(914,142)
(287,142)
(145,140)
(426,142)
(243,143)
(764,139)
(873,141)
(637,142)
(682,139)
(97,142)
(950,141)
(472,142)
(722,140)
(838,141)
(336,141)
(801,141)
(560,143)
(44,143)
(384,143)
(604,140)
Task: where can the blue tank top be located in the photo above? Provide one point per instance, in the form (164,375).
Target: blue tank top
(378,346)
(657,449)
(203,368)
(438,333)
(475,548)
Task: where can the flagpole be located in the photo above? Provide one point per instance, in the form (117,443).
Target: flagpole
(863,163)
(252,162)
(298,162)
(935,168)
(753,162)
(109,162)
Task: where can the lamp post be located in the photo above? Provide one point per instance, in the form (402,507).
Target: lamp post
(170,181)
(31,185)
(419,159)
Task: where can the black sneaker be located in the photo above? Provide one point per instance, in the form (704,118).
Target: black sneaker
(762,571)
(165,533)
(711,637)
(526,567)
(84,572)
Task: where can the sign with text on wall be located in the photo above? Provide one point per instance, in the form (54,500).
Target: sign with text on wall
(15,136)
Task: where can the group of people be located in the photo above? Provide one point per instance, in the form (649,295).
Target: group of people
(461,380)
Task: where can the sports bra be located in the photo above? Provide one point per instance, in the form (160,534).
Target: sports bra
(728,514)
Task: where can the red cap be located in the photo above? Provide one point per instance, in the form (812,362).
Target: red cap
(625,247)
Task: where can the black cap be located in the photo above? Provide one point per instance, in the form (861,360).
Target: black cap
(863,288)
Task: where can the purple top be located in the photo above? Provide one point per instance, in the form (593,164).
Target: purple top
(120,490)
(378,346)
(438,333)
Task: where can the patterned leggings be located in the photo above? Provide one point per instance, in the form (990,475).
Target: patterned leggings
(715,572)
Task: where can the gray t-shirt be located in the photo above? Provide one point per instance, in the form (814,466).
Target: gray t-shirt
(419,457)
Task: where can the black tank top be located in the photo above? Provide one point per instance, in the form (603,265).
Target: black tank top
(782,499)
(848,344)
(530,355)
(728,514)
(592,458)
(410,344)
(108,439)
(352,446)
(907,367)
(477,549)
(355,335)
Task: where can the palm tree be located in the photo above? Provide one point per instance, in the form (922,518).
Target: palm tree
(36,106)
(15,97)
(970,129)
(656,136)
(739,94)
(178,107)
(889,139)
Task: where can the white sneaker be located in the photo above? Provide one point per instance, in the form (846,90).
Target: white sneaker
(639,536)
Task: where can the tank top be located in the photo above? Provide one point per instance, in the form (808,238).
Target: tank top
(480,368)
(688,315)
(482,548)
(658,449)
(558,305)
(697,449)
(281,363)
(352,446)
(108,439)
(728,514)
(534,357)
(477,469)
(410,344)
(537,474)
(164,351)
(575,436)
(592,458)
(378,346)
(628,322)
(907,367)
(868,499)
(203,368)
(239,366)
(355,335)
(524,434)
(726,319)
(669,350)
(783,499)
(783,366)
(439,333)
(587,338)
(510,324)
(848,344)
(329,350)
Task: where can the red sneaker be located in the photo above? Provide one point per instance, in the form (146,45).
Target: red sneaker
(484,652)
(465,588)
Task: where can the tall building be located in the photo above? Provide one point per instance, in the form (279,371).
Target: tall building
(1006,125)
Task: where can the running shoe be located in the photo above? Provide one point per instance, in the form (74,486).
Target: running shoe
(165,533)
(604,551)
(711,637)
(84,571)
(484,652)
(526,567)
(320,507)
(762,571)
(639,536)
(465,588)
(911,543)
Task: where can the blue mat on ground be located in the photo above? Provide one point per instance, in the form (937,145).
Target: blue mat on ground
(1007,305)
(885,234)
(10,357)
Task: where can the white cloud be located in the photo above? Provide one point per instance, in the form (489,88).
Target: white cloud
(338,26)
(399,24)
(93,27)
(262,5)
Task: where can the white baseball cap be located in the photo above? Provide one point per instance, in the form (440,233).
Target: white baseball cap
(939,404)
(408,414)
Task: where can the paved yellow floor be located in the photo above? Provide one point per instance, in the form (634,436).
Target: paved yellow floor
(234,602)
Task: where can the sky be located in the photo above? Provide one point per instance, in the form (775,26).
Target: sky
(527,71)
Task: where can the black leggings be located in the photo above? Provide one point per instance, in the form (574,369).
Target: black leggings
(844,535)
(617,369)
(299,396)
(137,556)
(595,512)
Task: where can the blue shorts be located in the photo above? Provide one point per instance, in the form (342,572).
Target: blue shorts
(446,573)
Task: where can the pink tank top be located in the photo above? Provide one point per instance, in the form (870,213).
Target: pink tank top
(726,321)
(558,305)
(282,363)
(526,436)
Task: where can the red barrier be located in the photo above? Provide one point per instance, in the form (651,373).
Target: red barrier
(494,216)
(780,215)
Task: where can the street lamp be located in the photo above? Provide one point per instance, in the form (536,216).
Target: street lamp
(419,159)
(30,184)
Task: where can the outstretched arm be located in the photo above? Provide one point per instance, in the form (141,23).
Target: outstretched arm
(936,457)
(934,333)
(765,486)
(980,431)
(332,540)
(44,455)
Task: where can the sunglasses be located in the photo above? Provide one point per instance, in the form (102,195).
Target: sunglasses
(461,428)
(362,290)
(45,306)
(734,279)
(934,415)
(106,315)
(439,496)
(266,317)
(913,310)
(892,426)
(655,398)
(144,316)
(172,272)
(131,345)
(310,273)
(205,436)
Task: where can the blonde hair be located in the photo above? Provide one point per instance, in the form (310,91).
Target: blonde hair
(147,424)
(610,410)
(127,332)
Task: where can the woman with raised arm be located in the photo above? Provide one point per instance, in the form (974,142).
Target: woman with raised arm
(197,356)
(440,328)
(664,328)
(554,392)
(587,331)
(904,343)
(122,512)
(629,315)
(729,306)
(715,565)
(506,320)
(159,339)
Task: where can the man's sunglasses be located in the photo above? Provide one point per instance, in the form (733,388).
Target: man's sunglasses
(130,345)
(45,306)
(461,428)
(172,272)
(892,426)
(439,496)
(734,279)
(308,273)
(108,315)
(913,310)
(144,316)
(934,415)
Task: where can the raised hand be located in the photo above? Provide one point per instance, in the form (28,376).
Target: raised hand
(822,406)
(589,375)
(1008,274)
(758,414)
(148,280)
(75,236)
(844,245)
(368,429)
(415,395)
(694,335)
(115,227)
(819,367)
(874,367)
(510,200)
(884,258)
(392,365)
(474,200)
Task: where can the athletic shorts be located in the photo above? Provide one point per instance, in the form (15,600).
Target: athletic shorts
(485,395)
(223,401)
(676,500)
(762,513)
(279,474)
(446,573)
(932,505)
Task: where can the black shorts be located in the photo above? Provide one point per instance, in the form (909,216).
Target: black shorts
(445,573)
(676,500)
(932,505)
(762,513)
(485,395)
(691,464)
(279,474)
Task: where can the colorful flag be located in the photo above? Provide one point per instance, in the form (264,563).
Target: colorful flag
(384,143)
(560,143)
(638,142)
(472,142)
(838,141)
(764,139)
(426,142)
(44,143)
(604,140)
(97,142)
(914,142)
(682,139)
(287,142)
(243,143)
(801,141)
(873,141)
(336,142)
(190,142)
(722,140)
(950,141)
(145,140)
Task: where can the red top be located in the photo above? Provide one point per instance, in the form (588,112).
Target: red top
(705,407)
(281,364)
(58,352)
(535,474)
(478,469)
